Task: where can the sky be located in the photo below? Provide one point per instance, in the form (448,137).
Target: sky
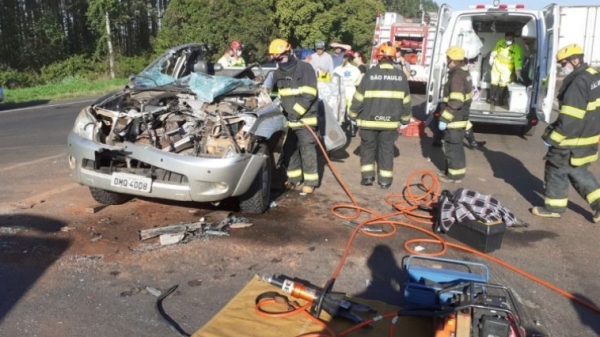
(529,4)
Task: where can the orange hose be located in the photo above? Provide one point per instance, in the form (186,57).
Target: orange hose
(407,205)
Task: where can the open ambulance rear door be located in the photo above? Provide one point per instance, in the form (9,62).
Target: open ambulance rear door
(438,61)
(547,78)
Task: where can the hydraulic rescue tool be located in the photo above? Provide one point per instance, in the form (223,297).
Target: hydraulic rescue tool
(334,303)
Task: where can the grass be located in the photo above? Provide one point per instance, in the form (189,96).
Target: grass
(71,88)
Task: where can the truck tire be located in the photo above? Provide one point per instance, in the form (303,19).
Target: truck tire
(528,130)
(256,200)
(109,198)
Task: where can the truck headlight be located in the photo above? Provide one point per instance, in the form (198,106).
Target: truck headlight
(85,124)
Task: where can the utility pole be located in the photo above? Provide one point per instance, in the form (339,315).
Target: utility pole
(111,56)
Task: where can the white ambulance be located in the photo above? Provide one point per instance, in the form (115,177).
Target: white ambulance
(482,26)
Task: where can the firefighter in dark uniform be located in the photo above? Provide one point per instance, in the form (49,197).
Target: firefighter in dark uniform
(458,93)
(380,105)
(296,84)
(572,139)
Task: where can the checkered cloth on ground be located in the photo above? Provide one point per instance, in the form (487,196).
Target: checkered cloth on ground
(465,204)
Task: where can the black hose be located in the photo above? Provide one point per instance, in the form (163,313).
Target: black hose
(161,311)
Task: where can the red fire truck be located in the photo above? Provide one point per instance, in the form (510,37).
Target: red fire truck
(414,36)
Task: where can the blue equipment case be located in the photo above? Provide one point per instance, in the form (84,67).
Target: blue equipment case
(426,277)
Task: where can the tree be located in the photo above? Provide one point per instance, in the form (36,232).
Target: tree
(99,14)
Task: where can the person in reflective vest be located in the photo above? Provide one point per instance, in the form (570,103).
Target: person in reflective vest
(505,59)
(296,84)
(380,105)
(458,93)
(572,139)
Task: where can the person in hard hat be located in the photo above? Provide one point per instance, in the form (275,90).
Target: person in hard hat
(339,52)
(233,56)
(380,105)
(350,76)
(572,139)
(322,62)
(454,119)
(505,59)
(296,84)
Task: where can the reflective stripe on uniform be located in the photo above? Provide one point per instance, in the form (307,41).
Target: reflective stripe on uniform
(459,96)
(405,119)
(406,100)
(572,111)
(377,124)
(456,172)
(352,114)
(294,173)
(448,116)
(445,100)
(557,136)
(299,109)
(593,196)
(458,125)
(584,160)
(593,105)
(384,94)
(367,168)
(591,71)
(578,141)
(386,66)
(298,91)
(304,121)
(386,174)
(311,176)
(359,97)
(556,202)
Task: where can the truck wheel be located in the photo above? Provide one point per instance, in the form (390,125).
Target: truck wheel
(256,199)
(528,130)
(109,198)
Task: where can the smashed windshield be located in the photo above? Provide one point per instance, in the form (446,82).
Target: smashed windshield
(172,69)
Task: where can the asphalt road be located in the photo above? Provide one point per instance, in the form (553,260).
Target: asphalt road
(90,280)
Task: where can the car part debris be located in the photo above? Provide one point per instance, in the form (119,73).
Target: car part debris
(154,291)
(171,239)
(146,234)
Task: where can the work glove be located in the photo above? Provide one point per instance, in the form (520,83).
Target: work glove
(442,126)
(403,126)
(492,57)
(519,77)
(547,144)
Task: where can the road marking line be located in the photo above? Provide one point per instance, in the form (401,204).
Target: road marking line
(46,106)
(32,162)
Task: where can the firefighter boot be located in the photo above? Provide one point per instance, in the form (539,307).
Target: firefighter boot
(492,95)
(367,181)
(596,217)
(501,95)
(473,144)
(544,213)
(307,189)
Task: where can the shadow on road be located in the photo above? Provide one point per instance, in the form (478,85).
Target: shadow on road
(515,174)
(587,316)
(26,255)
(386,277)
(22,105)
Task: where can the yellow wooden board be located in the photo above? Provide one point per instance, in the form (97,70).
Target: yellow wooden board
(238,318)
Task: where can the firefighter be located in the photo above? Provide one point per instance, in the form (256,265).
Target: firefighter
(572,139)
(380,104)
(296,84)
(505,59)
(455,115)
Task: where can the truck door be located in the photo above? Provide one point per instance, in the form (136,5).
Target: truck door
(547,79)
(438,61)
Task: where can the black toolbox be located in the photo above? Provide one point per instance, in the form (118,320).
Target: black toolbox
(485,237)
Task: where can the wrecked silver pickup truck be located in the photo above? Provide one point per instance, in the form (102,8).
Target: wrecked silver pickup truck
(178,132)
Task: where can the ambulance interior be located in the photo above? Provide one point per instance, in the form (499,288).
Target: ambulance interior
(488,28)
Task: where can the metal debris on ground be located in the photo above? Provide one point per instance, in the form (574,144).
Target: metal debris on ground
(154,291)
(217,223)
(67,228)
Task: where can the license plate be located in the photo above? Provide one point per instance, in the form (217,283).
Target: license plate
(131,182)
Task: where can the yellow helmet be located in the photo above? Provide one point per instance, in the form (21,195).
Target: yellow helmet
(568,51)
(455,53)
(279,46)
